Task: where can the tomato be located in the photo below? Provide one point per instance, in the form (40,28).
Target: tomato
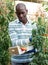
(23,49)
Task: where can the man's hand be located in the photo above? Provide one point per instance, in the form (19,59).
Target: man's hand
(30,39)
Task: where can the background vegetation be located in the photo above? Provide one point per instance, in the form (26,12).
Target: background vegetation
(6,15)
(39,41)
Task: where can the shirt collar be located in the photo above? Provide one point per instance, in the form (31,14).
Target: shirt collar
(21,22)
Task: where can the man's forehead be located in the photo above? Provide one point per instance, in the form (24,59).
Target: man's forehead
(20,5)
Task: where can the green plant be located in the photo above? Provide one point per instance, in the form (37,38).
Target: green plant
(38,41)
(6,15)
(45,6)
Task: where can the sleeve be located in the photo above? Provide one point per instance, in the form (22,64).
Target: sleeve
(14,37)
(34,26)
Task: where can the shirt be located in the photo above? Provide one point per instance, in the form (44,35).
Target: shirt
(20,33)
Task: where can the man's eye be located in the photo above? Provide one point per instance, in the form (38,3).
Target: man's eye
(22,12)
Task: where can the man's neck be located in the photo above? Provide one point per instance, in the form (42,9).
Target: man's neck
(25,21)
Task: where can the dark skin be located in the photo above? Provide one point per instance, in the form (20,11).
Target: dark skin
(21,12)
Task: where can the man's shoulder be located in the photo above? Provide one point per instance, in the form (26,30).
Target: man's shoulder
(33,24)
(13,22)
(30,21)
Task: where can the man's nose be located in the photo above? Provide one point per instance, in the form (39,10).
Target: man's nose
(21,15)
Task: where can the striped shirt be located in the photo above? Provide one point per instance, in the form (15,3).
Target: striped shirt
(20,33)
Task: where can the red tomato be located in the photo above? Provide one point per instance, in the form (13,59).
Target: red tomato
(23,49)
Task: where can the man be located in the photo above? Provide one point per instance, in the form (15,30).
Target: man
(20,30)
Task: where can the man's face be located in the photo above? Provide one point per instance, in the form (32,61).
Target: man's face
(21,14)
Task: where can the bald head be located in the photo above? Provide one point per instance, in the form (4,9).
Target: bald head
(20,6)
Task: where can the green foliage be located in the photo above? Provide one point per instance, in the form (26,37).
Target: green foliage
(10,15)
(46,5)
(38,40)
(6,15)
